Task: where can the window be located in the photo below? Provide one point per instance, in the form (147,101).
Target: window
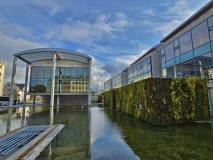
(185,43)
(200,34)
(163,58)
(34,72)
(210,21)
(41,72)
(169,52)
(0,66)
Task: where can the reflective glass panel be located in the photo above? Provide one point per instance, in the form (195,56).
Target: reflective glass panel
(73,73)
(67,73)
(145,65)
(210,21)
(33,85)
(176,43)
(186,56)
(200,34)
(86,73)
(47,85)
(169,51)
(185,43)
(203,65)
(177,52)
(80,73)
(41,72)
(40,85)
(34,72)
(211,35)
(188,68)
(48,72)
(202,49)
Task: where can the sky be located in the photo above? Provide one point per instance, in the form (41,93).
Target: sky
(113,32)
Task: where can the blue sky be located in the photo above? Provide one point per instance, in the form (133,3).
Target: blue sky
(114,33)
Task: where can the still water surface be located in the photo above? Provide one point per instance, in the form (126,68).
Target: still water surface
(104,133)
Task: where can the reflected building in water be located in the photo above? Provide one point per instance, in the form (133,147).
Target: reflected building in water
(60,76)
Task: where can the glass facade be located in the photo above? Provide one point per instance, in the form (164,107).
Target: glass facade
(190,54)
(139,71)
(107,86)
(117,81)
(67,79)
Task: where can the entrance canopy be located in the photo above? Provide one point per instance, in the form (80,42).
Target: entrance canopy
(34,55)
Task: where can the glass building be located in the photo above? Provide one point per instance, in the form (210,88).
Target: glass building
(187,51)
(60,76)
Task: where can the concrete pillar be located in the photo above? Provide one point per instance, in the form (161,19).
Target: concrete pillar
(89,83)
(175,71)
(26,84)
(34,98)
(53,81)
(12,85)
(201,68)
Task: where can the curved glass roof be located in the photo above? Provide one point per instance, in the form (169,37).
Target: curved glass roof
(34,55)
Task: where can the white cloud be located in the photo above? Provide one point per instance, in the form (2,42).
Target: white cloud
(10,46)
(148,12)
(167,28)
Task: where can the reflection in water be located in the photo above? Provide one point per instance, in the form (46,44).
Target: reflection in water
(104,133)
(182,141)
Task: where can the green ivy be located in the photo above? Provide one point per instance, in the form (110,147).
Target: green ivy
(163,100)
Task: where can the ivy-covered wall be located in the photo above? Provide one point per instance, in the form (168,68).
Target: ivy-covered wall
(163,100)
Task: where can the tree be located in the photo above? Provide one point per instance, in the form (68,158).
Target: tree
(93,93)
(15,94)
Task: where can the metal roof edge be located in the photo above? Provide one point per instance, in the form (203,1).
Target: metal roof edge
(189,20)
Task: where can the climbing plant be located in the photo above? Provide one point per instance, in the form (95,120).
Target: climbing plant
(163,100)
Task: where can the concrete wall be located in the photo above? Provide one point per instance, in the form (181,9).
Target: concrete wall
(67,100)
(60,63)
(2,71)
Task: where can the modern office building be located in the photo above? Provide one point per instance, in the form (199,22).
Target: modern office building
(148,65)
(186,51)
(59,76)
(2,75)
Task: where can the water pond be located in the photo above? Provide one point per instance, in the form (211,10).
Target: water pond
(105,133)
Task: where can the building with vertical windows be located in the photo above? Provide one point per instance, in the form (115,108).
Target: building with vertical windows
(2,75)
(59,76)
(148,65)
(187,50)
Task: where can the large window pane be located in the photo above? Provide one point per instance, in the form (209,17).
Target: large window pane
(73,73)
(169,51)
(40,86)
(86,73)
(47,85)
(80,73)
(200,34)
(33,85)
(176,43)
(145,65)
(48,72)
(211,35)
(177,52)
(202,49)
(41,72)
(203,65)
(67,73)
(186,56)
(163,58)
(185,43)
(34,72)
(188,68)
(210,21)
